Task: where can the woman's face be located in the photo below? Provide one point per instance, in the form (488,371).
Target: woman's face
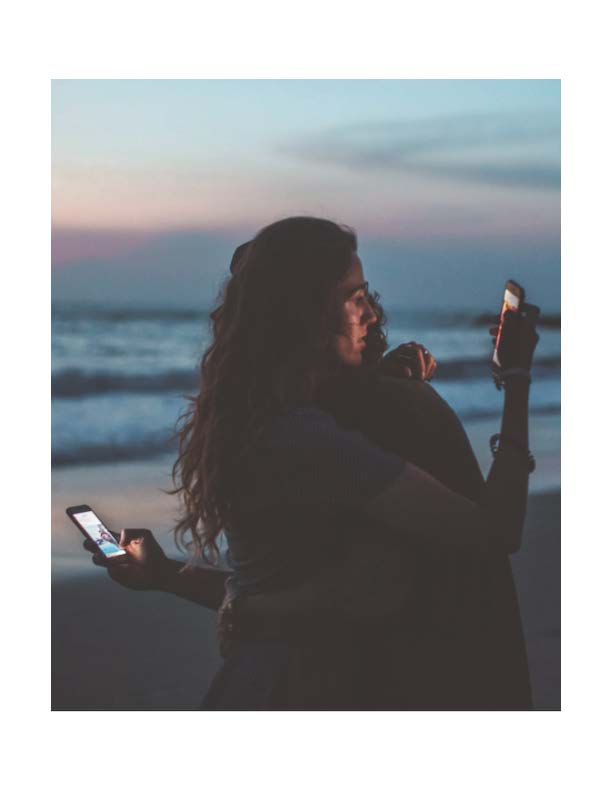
(355,315)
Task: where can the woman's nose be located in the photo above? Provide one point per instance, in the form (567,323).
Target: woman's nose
(369,317)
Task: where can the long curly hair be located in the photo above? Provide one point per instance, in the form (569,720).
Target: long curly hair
(272,331)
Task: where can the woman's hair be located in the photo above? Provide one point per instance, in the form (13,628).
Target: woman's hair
(271,348)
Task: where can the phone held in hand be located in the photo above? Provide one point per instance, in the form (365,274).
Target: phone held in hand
(514,297)
(92,527)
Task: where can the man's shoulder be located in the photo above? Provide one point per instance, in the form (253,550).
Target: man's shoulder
(409,394)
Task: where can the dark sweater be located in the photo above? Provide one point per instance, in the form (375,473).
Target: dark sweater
(301,497)
(459,644)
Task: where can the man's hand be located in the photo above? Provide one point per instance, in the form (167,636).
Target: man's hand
(518,339)
(146,565)
(411,360)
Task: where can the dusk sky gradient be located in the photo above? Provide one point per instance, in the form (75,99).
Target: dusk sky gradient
(436,169)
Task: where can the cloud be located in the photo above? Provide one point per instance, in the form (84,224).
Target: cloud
(508,150)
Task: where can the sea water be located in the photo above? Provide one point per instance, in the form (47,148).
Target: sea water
(120,377)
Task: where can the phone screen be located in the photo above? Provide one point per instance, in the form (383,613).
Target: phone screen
(94,528)
(511,303)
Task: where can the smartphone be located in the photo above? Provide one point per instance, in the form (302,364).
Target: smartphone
(514,296)
(92,527)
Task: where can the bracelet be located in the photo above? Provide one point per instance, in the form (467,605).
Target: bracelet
(494,444)
(501,375)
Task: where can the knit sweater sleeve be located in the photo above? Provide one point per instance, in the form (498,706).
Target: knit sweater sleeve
(305,457)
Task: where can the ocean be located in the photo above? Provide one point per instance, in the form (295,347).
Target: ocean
(119,376)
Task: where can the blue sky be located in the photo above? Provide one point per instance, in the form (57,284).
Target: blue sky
(441,166)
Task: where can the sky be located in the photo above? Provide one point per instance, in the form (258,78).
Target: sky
(450,184)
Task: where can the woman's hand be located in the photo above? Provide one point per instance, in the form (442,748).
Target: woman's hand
(411,360)
(519,337)
(146,565)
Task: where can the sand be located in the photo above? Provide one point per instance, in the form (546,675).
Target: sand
(116,649)
(537,574)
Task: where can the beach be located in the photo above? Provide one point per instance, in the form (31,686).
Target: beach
(117,649)
(173,279)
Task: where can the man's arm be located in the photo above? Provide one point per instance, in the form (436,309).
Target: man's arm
(202,585)
(147,568)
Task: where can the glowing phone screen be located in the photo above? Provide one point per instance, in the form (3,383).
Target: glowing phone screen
(106,542)
(511,303)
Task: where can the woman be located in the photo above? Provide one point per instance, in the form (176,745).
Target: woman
(305,501)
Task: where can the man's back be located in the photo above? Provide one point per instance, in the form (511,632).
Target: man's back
(466,648)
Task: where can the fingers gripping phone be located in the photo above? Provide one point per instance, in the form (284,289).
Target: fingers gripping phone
(92,527)
(514,297)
